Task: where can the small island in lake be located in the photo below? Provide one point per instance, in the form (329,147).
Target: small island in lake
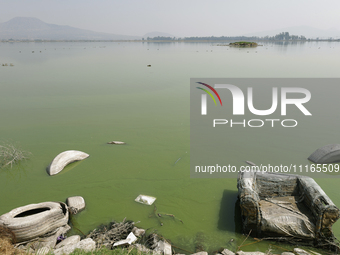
(243,44)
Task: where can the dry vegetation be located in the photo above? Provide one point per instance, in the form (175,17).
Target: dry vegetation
(7,238)
(11,154)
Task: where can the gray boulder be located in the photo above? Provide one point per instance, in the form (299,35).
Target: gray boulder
(50,240)
(200,253)
(72,240)
(75,204)
(142,248)
(301,252)
(138,231)
(163,247)
(86,245)
(250,253)
(227,252)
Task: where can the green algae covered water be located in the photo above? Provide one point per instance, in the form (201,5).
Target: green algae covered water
(79,96)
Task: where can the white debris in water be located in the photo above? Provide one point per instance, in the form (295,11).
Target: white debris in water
(129,240)
(147,200)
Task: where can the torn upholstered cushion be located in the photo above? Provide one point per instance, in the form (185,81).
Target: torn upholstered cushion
(285,216)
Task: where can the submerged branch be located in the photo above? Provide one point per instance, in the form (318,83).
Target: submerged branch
(10,155)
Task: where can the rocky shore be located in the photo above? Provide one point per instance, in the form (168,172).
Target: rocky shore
(126,235)
(15,227)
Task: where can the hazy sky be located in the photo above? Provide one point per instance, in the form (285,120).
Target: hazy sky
(178,17)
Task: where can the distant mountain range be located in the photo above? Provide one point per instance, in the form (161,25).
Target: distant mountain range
(23,28)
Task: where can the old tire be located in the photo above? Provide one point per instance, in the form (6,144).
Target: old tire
(63,159)
(34,220)
(326,154)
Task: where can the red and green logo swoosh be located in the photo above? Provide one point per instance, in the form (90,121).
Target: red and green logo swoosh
(208,92)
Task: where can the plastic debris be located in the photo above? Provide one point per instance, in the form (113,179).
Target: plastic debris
(146,200)
(116,142)
(129,240)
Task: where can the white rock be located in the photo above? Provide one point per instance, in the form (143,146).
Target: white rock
(65,249)
(142,248)
(86,245)
(287,253)
(70,240)
(50,241)
(301,252)
(76,204)
(200,253)
(227,252)
(250,253)
(164,247)
(138,231)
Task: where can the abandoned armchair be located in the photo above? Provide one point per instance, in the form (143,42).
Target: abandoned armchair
(286,207)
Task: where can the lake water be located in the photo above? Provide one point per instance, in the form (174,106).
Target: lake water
(63,96)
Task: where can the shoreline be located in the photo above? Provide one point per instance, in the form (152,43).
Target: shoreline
(115,236)
(165,41)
